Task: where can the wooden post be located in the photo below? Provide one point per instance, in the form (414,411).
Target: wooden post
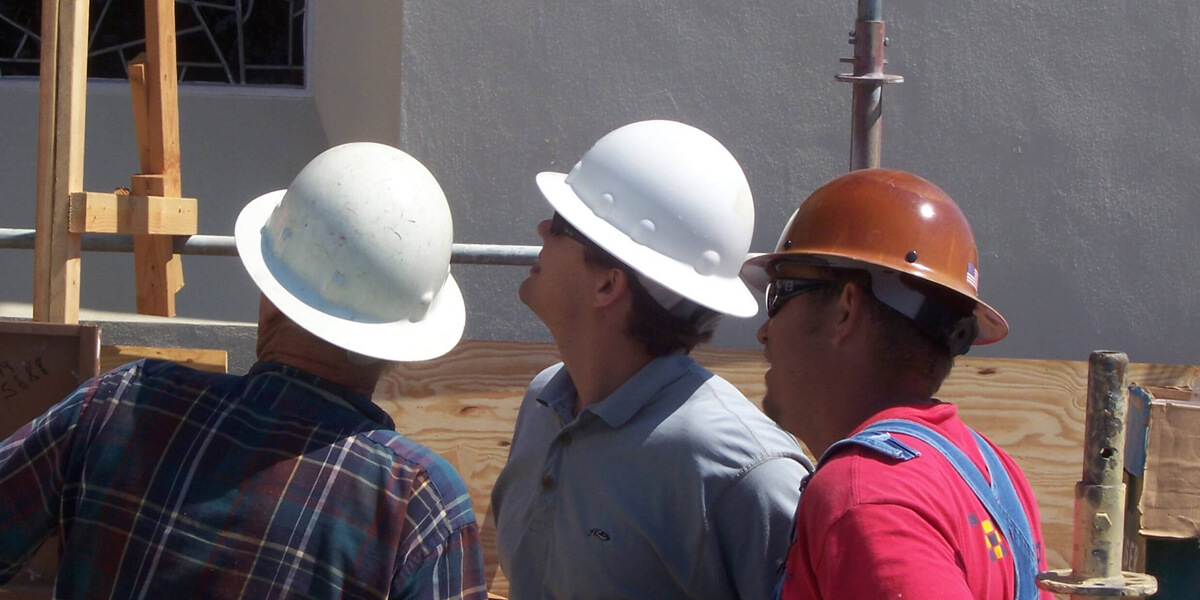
(159,271)
(62,100)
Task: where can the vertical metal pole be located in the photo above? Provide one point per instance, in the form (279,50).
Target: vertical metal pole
(1100,494)
(866,120)
(870,10)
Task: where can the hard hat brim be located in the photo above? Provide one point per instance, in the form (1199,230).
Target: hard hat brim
(727,295)
(759,270)
(401,341)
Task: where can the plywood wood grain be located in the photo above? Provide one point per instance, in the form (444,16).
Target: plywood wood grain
(464,406)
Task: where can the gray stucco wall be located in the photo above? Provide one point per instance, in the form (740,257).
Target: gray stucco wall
(1068,132)
(233,148)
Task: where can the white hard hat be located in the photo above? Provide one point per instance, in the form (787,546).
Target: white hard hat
(357,251)
(669,201)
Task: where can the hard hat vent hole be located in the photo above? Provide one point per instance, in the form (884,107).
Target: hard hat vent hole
(787,244)
(911,256)
(643,232)
(708,262)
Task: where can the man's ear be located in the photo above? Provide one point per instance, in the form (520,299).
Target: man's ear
(611,285)
(850,311)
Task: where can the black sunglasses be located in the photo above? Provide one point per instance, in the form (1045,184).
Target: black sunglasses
(560,226)
(779,291)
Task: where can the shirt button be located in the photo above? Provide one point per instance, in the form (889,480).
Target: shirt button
(564,439)
(547,483)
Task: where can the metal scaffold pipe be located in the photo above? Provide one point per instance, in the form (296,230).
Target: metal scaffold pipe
(223,245)
(866,119)
(870,10)
(1100,493)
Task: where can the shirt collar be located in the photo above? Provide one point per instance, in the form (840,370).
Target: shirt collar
(357,401)
(620,406)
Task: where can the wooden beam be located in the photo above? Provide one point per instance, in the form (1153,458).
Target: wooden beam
(93,212)
(203,359)
(61,122)
(162,93)
(47,100)
(141,113)
(158,271)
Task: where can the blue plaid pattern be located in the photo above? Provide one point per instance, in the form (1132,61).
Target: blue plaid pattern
(166,482)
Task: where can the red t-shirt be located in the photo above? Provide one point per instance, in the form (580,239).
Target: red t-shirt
(870,527)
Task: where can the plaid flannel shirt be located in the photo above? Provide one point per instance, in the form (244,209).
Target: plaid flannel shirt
(166,482)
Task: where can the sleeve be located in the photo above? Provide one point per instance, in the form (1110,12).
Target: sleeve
(886,551)
(448,561)
(453,571)
(754,523)
(33,462)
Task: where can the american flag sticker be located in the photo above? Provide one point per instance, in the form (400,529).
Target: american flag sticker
(973,277)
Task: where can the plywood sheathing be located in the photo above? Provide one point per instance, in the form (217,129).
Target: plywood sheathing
(464,406)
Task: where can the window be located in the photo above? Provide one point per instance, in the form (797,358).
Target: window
(236,42)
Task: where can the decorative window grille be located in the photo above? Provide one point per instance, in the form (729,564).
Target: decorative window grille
(234,42)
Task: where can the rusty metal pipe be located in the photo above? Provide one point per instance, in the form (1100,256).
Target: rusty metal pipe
(866,124)
(1100,493)
(866,116)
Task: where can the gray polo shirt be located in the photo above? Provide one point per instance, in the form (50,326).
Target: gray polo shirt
(675,486)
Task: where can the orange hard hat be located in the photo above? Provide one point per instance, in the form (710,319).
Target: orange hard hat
(887,222)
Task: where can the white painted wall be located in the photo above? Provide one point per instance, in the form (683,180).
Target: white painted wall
(1068,131)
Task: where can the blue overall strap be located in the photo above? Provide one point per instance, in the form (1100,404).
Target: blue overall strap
(999,497)
(878,441)
(1016,520)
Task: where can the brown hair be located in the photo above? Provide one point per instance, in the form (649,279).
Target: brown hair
(659,332)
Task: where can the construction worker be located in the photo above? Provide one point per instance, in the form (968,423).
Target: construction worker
(166,482)
(871,293)
(634,472)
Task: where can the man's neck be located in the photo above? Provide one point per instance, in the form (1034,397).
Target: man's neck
(861,399)
(600,364)
(358,378)
(282,341)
